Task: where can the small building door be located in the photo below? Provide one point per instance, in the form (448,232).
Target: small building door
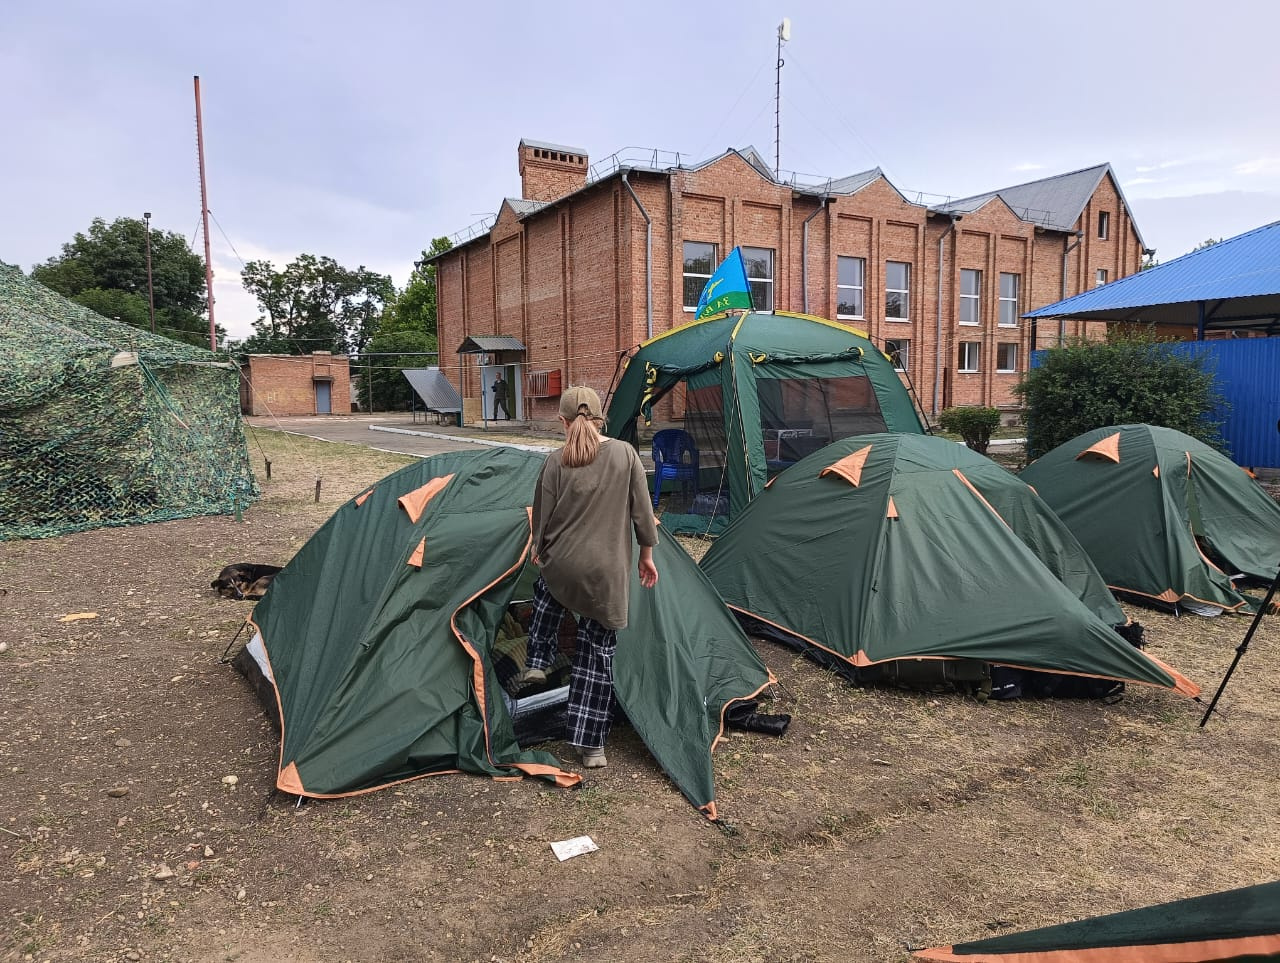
(323,404)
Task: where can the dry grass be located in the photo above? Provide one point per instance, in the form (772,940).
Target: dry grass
(884,819)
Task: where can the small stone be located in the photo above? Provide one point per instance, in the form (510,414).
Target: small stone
(208,851)
(123,743)
(240,894)
(117,791)
(4,646)
(230,780)
(133,955)
(163,873)
(176,678)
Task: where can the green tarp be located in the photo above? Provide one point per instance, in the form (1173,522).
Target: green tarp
(1238,925)
(1138,496)
(379,632)
(104,424)
(892,546)
(746,357)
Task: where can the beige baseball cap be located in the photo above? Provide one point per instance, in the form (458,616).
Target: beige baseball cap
(574,399)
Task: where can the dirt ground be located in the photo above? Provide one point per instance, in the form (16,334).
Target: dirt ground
(882,821)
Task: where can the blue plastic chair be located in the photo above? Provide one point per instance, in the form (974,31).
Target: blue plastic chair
(675,458)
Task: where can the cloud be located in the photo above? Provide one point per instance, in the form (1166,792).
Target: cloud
(1261,165)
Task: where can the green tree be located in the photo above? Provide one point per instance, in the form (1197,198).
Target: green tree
(105,269)
(974,424)
(1207,242)
(415,308)
(406,337)
(314,304)
(1131,378)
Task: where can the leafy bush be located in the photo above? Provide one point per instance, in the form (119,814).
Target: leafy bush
(975,425)
(1128,379)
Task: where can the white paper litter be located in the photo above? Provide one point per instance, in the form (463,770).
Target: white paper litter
(568,848)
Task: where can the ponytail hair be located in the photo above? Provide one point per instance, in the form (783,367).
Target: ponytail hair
(582,440)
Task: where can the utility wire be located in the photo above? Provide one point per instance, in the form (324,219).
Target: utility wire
(227,239)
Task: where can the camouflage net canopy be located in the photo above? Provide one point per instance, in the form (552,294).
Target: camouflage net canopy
(104,424)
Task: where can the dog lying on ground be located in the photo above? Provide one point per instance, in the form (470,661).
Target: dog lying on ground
(244,580)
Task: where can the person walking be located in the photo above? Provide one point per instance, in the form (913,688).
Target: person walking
(591,497)
(500,397)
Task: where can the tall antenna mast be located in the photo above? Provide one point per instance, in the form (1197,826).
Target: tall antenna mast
(784,34)
(204,214)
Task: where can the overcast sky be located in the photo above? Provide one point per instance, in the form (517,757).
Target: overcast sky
(362,130)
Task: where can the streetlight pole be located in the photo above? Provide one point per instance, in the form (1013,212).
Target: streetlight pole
(151,291)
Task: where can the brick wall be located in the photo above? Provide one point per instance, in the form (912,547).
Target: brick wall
(285,385)
(570,280)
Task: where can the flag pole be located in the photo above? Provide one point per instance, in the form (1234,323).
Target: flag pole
(1257,619)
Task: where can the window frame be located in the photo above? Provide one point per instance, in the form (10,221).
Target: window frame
(974,300)
(747,254)
(1007,344)
(861,288)
(977,357)
(1100,277)
(905,292)
(1017,293)
(1104,225)
(902,350)
(715,252)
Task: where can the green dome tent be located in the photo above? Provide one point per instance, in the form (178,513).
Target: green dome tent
(890,547)
(1238,925)
(377,641)
(756,392)
(1161,514)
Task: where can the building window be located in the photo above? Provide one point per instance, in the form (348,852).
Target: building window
(1102,277)
(970,293)
(968,360)
(897,291)
(759,264)
(899,352)
(1007,356)
(699,265)
(850,272)
(1104,224)
(1009,284)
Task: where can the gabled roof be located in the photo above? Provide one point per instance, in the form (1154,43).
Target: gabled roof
(1238,281)
(1054,202)
(523,206)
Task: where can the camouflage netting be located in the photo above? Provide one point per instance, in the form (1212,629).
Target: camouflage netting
(104,424)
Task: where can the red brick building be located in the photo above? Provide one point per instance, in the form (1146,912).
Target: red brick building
(590,261)
(286,384)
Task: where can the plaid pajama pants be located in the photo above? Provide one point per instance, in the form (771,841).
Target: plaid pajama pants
(590,711)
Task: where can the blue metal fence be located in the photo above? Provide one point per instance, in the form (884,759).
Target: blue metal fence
(1247,371)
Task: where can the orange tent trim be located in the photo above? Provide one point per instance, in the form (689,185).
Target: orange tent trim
(1199,951)
(415,502)
(1108,449)
(849,467)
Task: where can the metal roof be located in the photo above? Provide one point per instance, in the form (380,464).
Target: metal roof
(1053,202)
(560,148)
(435,390)
(483,344)
(523,206)
(1235,282)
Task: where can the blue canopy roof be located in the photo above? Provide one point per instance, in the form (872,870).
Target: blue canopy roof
(1232,284)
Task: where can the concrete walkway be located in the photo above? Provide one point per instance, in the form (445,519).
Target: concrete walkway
(396,432)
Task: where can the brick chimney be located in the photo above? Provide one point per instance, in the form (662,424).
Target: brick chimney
(549,171)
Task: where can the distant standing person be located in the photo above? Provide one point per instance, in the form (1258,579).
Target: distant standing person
(500,389)
(591,497)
